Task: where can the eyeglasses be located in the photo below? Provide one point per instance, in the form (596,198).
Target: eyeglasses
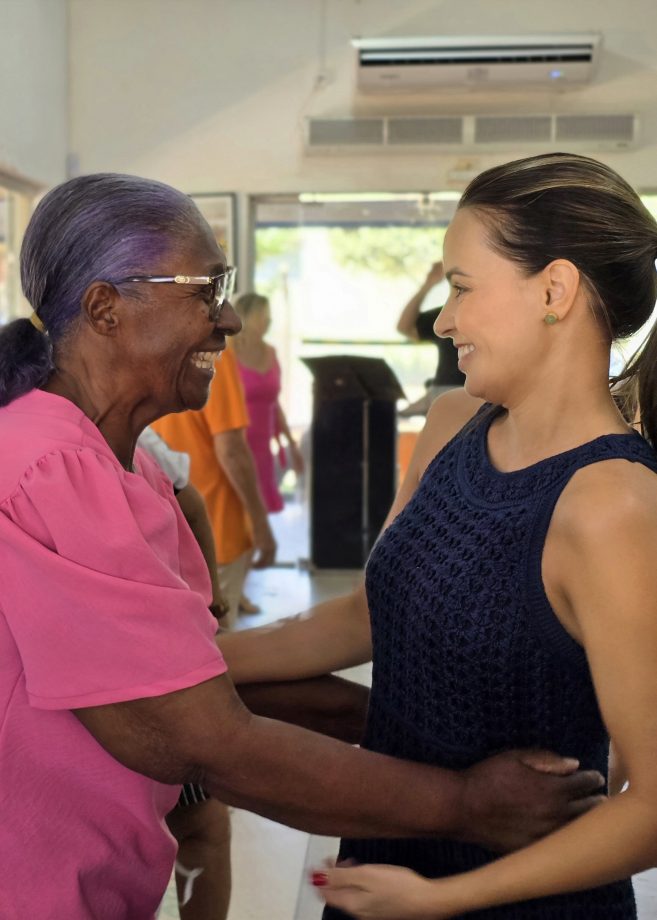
(220,287)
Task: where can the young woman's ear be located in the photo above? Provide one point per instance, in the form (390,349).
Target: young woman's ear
(560,286)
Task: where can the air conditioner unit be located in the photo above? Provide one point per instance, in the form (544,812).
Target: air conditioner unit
(520,61)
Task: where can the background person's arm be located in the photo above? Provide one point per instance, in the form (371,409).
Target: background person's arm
(410,313)
(295,454)
(196,514)
(235,457)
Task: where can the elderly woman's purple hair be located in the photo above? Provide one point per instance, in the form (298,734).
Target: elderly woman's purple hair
(100,227)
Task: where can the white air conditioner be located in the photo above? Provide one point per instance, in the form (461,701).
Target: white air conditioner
(522,61)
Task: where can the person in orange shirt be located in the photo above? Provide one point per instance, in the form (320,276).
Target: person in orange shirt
(223,471)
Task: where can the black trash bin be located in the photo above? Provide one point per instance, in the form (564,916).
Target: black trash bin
(354,457)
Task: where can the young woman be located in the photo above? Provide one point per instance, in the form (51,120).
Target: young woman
(513,596)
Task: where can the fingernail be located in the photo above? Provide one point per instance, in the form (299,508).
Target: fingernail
(319,879)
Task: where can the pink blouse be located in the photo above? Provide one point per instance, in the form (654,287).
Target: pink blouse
(103,598)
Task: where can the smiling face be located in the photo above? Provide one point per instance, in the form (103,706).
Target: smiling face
(493,314)
(167,339)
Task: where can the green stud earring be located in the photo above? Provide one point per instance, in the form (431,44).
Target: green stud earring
(550,319)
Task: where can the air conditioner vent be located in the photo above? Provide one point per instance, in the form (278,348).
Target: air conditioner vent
(496,129)
(620,128)
(425,131)
(471,133)
(394,57)
(345,132)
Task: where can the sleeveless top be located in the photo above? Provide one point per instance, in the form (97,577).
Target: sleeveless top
(469,658)
(262,390)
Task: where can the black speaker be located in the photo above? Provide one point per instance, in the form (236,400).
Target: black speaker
(354,457)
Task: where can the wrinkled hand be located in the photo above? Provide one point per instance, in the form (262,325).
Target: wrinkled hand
(380,893)
(518,796)
(435,274)
(264,546)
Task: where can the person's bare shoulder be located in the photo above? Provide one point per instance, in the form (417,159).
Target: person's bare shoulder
(605,496)
(447,415)
(605,526)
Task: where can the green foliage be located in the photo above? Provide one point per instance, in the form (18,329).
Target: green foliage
(274,242)
(277,250)
(391,252)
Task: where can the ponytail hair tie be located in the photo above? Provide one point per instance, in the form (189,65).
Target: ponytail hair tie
(36,322)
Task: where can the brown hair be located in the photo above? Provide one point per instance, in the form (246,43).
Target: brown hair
(565,206)
(250,303)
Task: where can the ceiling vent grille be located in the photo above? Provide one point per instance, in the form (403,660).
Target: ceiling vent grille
(424,131)
(505,129)
(470,133)
(345,132)
(595,128)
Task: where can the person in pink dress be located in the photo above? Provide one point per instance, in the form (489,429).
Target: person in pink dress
(261,377)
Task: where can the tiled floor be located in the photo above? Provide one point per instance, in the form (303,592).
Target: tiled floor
(270,862)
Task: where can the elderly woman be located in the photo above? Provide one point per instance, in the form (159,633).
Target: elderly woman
(112,689)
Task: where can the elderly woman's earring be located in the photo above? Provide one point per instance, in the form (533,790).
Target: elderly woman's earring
(550,319)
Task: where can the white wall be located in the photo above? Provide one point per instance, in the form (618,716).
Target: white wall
(34,94)
(210,95)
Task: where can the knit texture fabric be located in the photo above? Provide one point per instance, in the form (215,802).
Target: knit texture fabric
(469,658)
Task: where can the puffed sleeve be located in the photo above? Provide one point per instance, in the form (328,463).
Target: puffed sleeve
(92,586)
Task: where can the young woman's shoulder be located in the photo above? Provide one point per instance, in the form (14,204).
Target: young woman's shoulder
(447,415)
(609,496)
(601,554)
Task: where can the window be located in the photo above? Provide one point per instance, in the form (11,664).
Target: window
(338,270)
(15,209)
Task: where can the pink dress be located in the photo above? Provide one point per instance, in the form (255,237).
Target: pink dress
(262,391)
(103,598)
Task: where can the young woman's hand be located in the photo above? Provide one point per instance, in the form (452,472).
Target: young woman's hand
(382,893)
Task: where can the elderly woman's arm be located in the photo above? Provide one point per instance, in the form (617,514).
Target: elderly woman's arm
(323,786)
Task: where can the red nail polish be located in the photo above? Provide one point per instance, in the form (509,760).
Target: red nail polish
(319,879)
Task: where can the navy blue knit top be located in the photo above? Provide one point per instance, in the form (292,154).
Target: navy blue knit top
(469,658)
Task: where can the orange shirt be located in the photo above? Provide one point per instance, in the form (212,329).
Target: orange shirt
(193,432)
